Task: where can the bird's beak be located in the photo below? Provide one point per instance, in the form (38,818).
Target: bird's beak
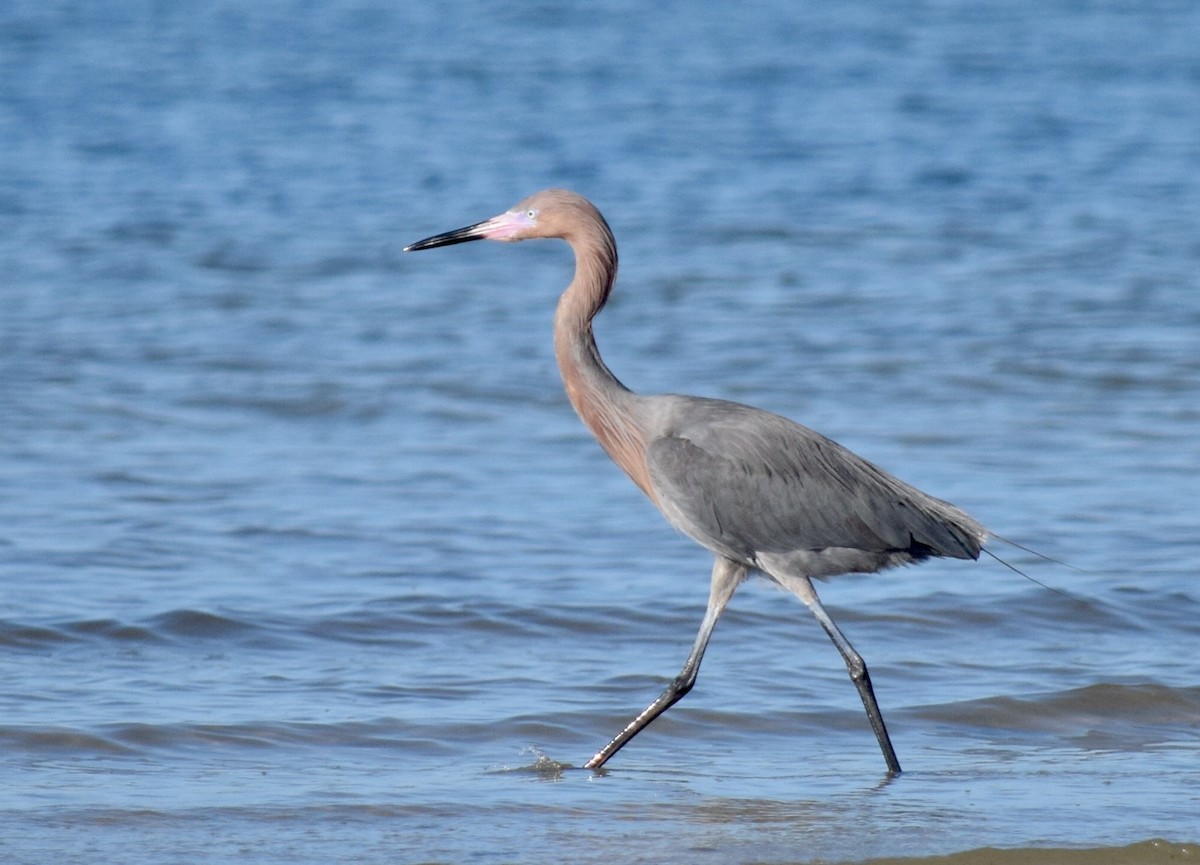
(501,227)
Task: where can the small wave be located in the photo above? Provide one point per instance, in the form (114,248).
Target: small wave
(16,635)
(59,741)
(185,625)
(193,624)
(1103,715)
(112,629)
(133,738)
(316,401)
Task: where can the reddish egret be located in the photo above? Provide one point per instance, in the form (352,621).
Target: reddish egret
(761,492)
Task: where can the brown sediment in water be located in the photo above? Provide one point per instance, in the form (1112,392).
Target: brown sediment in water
(1152,852)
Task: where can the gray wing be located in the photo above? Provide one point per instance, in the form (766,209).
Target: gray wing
(747,482)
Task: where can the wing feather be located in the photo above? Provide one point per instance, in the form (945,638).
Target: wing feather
(747,482)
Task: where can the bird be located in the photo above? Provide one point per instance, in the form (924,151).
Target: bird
(762,493)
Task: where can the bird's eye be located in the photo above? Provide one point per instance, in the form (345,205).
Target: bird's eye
(532,214)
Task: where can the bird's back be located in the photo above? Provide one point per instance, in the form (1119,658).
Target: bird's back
(764,490)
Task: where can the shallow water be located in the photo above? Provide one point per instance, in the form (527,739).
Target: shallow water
(306,558)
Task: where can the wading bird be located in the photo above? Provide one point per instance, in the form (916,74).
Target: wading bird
(761,492)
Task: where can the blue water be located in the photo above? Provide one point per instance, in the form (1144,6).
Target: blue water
(304,556)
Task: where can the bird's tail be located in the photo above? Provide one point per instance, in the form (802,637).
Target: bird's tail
(1041,556)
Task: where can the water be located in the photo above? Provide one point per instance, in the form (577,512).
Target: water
(306,558)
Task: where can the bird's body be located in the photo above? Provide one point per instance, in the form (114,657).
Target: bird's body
(758,488)
(760,491)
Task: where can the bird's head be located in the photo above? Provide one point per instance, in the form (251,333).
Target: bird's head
(549,213)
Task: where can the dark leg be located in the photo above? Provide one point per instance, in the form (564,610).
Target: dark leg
(726,577)
(802,587)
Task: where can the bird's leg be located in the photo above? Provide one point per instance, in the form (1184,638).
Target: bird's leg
(802,587)
(727,575)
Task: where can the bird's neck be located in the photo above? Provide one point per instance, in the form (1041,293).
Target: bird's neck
(608,408)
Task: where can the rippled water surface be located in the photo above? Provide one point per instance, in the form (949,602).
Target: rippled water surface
(304,556)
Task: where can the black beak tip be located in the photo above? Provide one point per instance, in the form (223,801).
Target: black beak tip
(459,235)
(427,243)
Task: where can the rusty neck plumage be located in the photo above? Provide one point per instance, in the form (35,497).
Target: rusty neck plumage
(607,407)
